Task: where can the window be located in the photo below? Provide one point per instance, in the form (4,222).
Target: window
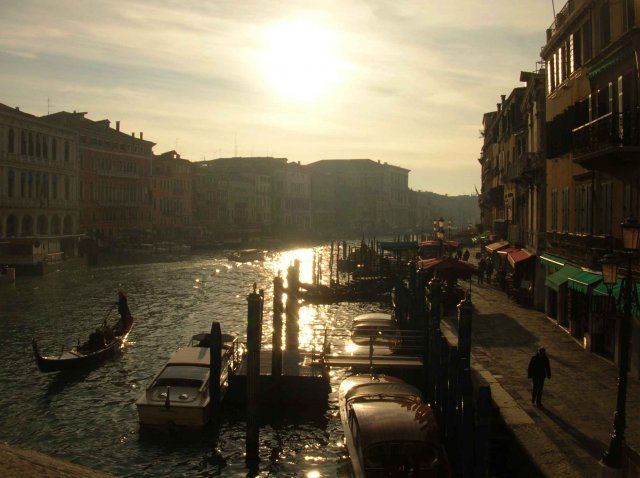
(30,144)
(606,202)
(12,184)
(66,151)
(45,147)
(583,204)
(628,15)
(586,42)
(554,210)
(576,46)
(54,149)
(605,25)
(38,146)
(23,142)
(66,188)
(54,186)
(11,141)
(565,209)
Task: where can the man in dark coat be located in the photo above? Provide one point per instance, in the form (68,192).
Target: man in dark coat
(539,369)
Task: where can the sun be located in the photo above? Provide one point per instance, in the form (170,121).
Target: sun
(300,60)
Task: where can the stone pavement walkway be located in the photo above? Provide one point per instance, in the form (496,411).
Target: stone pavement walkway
(569,434)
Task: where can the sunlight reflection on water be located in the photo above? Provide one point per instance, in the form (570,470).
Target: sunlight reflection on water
(90,418)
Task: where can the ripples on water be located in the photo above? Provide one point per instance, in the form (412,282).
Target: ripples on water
(90,418)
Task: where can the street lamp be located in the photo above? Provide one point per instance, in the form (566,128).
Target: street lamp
(438,228)
(630,240)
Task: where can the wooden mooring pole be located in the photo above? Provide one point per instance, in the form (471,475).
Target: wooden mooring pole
(254,325)
(278,308)
(291,312)
(215,366)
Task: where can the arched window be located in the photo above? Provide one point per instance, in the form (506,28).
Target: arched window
(55,225)
(11,191)
(23,142)
(23,184)
(54,186)
(27,226)
(42,225)
(12,226)
(11,141)
(66,151)
(30,144)
(67,188)
(45,186)
(68,225)
(38,145)
(31,186)
(54,149)
(45,147)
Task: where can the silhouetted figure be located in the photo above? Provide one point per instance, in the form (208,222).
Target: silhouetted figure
(489,270)
(482,265)
(125,313)
(465,256)
(539,369)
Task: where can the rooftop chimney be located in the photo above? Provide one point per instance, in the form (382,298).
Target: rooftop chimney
(133,134)
(502,97)
(17,108)
(117,125)
(140,134)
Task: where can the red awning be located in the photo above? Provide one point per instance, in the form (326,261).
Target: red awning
(508,250)
(518,256)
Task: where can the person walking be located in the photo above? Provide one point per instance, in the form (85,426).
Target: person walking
(482,264)
(539,369)
(489,270)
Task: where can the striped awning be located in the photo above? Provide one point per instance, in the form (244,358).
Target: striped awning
(552,262)
(584,282)
(554,281)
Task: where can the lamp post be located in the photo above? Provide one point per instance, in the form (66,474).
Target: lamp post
(612,458)
(438,229)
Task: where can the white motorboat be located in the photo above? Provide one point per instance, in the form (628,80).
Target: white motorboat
(374,333)
(389,430)
(178,396)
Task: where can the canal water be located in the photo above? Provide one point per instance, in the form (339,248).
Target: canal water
(90,418)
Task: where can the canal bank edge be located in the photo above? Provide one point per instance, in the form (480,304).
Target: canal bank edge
(17,462)
(538,449)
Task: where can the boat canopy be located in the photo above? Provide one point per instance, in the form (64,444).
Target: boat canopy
(191,356)
(184,372)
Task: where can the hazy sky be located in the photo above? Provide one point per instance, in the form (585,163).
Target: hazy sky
(405,82)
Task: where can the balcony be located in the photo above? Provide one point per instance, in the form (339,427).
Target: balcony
(561,18)
(598,144)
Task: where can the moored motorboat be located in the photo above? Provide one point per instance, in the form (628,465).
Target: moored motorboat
(246,255)
(374,333)
(389,430)
(102,344)
(179,395)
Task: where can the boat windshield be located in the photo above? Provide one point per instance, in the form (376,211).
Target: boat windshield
(405,458)
(183,375)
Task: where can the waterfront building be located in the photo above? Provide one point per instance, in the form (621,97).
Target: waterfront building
(242,190)
(370,197)
(114,178)
(291,215)
(171,183)
(591,57)
(38,190)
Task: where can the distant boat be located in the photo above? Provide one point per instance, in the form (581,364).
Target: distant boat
(374,333)
(179,395)
(389,430)
(102,344)
(246,255)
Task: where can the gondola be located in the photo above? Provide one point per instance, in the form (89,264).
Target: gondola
(85,355)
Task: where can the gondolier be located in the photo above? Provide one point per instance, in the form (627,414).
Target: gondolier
(123,310)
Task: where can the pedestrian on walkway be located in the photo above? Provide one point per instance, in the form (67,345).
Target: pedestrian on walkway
(481,268)
(539,369)
(489,270)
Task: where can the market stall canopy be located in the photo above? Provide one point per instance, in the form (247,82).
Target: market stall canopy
(552,262)
(447,267)
(493,247)
(554,281)
(584,281)
(518,256)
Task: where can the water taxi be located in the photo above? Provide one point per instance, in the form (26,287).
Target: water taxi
(389,430)
(178,396)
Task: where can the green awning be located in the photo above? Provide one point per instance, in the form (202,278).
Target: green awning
(552,262)
(584,281)
(601,289)
(554,281)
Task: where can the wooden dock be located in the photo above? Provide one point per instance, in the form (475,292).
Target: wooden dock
(303,379)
